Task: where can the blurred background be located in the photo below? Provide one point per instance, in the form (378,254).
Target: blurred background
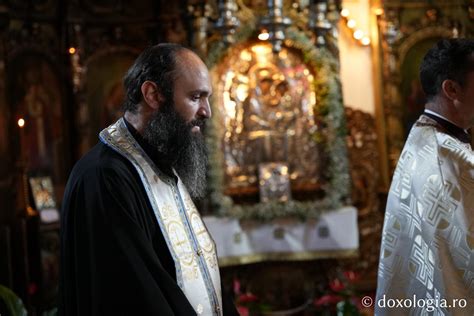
(313,100)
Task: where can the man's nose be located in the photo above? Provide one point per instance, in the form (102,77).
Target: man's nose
(205,109)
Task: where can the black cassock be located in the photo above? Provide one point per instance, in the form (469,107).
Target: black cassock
(114,258)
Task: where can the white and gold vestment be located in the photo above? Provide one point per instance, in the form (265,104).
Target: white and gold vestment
(427,246)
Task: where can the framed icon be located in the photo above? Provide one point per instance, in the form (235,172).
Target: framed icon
(43,198)
(274,182)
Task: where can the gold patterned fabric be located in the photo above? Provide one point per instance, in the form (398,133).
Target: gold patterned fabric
(427,247)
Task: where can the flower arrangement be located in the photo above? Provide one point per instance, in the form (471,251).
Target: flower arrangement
(247,303)
(339,298)
(342,299)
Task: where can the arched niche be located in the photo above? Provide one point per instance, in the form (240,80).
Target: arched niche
(37,93)
(411,53)
(102,92)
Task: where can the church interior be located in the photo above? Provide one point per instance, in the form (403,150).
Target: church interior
(312,104)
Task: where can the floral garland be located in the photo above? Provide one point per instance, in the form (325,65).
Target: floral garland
(330,115)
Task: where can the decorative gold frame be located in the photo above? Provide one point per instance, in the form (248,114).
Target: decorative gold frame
(395,133)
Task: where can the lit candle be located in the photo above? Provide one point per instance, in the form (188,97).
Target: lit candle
(21,124)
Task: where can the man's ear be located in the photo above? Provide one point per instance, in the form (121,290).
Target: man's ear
(151,94)
(451,89)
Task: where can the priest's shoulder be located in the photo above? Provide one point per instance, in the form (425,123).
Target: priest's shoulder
(451,150)
(102,159)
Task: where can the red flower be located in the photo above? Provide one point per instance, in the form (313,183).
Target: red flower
(336,285)
(243,311)
(247,298)
(351,276)
(236,285)
(329,299)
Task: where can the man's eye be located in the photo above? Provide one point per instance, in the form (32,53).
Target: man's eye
(195,97)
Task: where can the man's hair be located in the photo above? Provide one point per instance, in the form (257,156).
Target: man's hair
(448,59)
(157,64)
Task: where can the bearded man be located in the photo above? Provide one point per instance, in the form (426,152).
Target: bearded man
(132,241)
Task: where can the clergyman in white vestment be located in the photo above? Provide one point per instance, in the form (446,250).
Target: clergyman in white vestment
(427,253)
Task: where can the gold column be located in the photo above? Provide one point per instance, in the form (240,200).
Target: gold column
(376,12)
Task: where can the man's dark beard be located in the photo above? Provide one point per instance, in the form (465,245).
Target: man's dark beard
(178,147)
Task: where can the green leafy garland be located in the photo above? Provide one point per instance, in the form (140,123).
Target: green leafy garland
(329,113)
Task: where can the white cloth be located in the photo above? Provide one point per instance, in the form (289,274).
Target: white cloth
(335,234)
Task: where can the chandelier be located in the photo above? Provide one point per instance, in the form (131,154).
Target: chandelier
(272,24)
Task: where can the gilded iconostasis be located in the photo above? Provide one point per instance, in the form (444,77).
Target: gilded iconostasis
(313,100)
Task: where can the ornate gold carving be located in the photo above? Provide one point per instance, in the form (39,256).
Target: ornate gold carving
(268,115)
(288,256)
(398,36)
(364,160)
(413,39)
(365,174)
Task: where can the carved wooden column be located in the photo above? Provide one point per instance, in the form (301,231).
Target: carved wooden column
(200,23)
